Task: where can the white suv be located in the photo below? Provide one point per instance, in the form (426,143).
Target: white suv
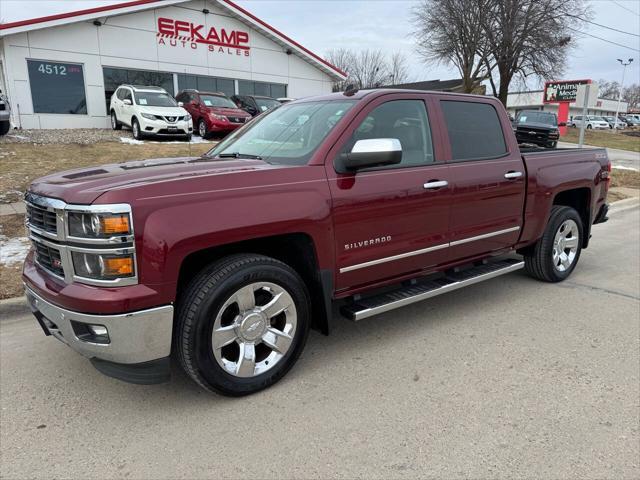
(149,111)
(593,122)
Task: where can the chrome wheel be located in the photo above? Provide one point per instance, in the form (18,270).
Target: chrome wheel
(565,245)
(254,329)
(136,129)
(202,129)
(114,122)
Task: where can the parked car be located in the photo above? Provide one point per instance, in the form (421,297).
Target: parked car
(538,128)
(612,122)
(5,114)
(212,112)
(149,111)
(632,120)
(372,200)
(592,122)
(255,104)
(285,99)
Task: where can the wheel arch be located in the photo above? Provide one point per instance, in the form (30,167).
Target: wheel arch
(580,200)
(297,250)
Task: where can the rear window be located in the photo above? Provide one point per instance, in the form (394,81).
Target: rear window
(474,130)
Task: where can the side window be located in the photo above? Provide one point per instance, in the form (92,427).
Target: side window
(405,120)
(119,93)
(181,97)
(474,130)
(127,95)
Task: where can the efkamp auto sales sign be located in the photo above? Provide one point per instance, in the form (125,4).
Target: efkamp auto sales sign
(562,91)
(181,34)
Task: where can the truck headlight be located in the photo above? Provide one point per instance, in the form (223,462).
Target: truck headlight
(101,266)
(98,225)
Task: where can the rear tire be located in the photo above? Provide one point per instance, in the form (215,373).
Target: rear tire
(242,324)
(556,254)
(589,127)
(115,124)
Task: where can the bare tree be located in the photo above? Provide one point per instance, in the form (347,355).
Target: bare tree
(452,31)
(530,37)
(631,95)
(608,89)
(344,60)
(369,69)
(398,69)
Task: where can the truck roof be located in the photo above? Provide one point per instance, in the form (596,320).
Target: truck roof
(376,92)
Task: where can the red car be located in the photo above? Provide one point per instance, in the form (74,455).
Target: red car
(212,112)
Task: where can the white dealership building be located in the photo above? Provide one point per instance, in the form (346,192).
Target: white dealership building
(60,71)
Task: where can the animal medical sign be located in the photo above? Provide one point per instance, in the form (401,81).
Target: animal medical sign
(563,91)
(178,33)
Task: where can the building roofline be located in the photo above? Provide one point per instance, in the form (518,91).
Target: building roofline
(136,5)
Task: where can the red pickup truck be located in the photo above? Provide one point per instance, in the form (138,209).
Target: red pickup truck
(373,199)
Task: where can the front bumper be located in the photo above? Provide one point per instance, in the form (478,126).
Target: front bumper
(133,338)
(165,129)
(223,126)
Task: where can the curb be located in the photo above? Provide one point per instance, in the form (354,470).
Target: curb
(624,205)
(12,307)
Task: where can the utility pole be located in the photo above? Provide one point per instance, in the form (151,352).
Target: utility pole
(624,69)
(585,106)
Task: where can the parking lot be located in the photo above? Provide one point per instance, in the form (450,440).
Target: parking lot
(508,378)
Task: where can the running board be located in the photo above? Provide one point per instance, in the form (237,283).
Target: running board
(370,306)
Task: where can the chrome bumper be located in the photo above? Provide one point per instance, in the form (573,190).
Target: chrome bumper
(134,337)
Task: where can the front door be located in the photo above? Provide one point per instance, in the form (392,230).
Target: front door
(488,181)
(387,223)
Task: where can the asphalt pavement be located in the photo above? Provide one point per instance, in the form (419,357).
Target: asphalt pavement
(508,378)
(619,158)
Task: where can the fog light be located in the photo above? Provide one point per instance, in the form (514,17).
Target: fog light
(98,329)
(91,333)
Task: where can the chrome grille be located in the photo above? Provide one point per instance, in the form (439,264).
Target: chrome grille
(42,219)
(236,119)
(49,258)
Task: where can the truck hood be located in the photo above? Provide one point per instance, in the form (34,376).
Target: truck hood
(83,186)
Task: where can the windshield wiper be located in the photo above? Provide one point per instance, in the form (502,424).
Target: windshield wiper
(240,155)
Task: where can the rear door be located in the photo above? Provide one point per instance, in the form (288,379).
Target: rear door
(487,177)
(387,224)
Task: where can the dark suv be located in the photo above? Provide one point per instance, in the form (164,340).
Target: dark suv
(255,104)
(537,127)
(212,112)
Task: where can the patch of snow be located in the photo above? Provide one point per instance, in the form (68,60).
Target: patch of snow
(620,167)
(131,141)
(19,137)
(13,250)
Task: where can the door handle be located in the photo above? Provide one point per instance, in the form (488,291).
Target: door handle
(435,184)
(512,175)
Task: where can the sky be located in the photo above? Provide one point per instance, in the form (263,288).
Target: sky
(321,25)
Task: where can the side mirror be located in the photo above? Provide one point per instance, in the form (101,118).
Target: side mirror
(126,101)
(562,124)
(180,104)
(372,152)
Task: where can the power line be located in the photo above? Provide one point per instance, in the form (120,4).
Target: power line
(604,40)
(603,26)
(627,9)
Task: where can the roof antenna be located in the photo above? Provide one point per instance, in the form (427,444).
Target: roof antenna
(350,91)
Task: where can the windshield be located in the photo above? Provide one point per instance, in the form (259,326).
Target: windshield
(538,117)
(217,101)
(265,104)
(155,99)
(288,135)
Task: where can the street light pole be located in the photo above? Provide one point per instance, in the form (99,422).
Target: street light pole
(624,69)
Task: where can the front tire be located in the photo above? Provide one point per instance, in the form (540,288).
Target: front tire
(589,127)
(202,129)
(135,127)
(4,128)
(242,324)
(556,254)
